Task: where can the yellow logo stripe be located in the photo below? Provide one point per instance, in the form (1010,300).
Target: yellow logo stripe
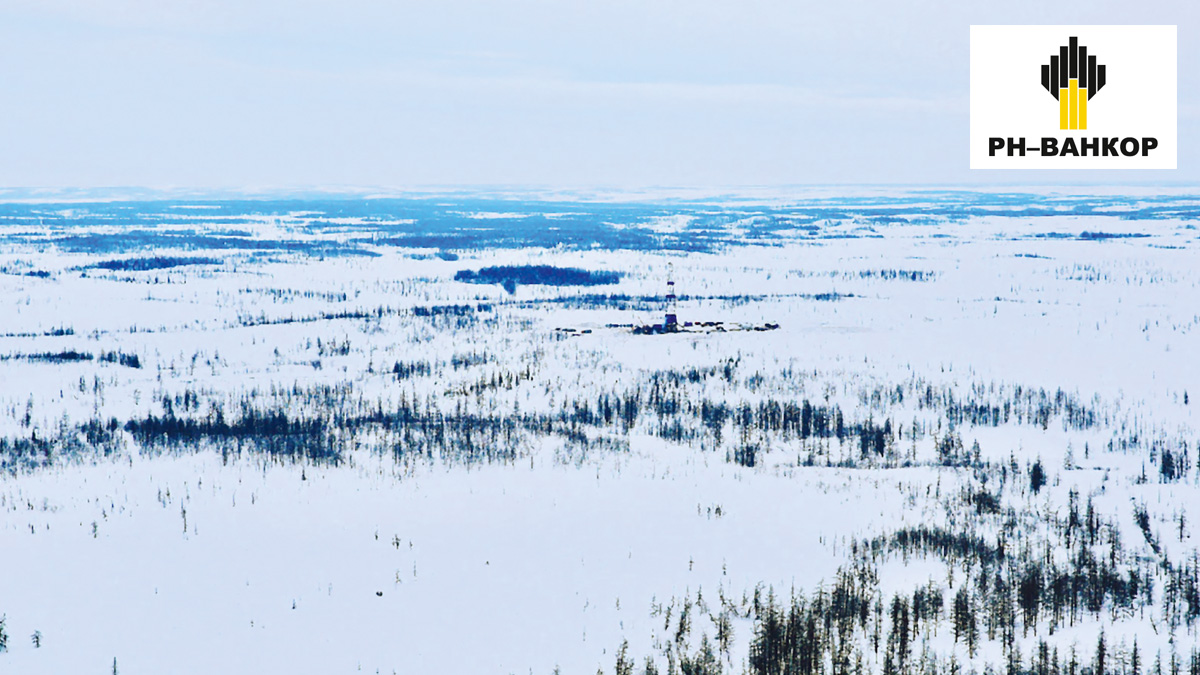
(1073,117)
(1083,97)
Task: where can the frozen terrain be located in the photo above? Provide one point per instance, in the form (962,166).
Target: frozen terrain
(416,434)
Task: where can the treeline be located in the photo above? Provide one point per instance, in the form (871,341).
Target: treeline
(405,370)
(999,405)
(894,274)
(858,634)
(271,431)
(278,294)
(671,404)
(809,634)
(511,276)
(66,356)
(73,356)
(262,319)
(1010,589)
(457,317)
(152,263)
(1014,575)
(665,407)
(852,628)
(88,440)
(127,360)
(1003,589)
(60,331)
(1172,459)
(890,274)
(451,310)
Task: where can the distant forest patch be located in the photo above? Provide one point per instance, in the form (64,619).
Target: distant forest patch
(72,356)
(68,356)
(153,263)
(1111,235)
(510,276)
(1093,236)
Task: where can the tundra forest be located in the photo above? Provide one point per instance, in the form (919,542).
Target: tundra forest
(886,432)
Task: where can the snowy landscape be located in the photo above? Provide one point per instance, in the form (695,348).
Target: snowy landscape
(894,431)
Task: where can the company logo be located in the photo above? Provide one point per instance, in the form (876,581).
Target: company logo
(1073,77)
(1014,124)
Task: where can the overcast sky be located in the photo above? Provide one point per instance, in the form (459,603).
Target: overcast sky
(296,93)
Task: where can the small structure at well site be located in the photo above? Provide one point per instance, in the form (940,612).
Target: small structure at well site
(670,322)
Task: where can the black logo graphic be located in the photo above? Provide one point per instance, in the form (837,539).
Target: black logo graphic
(1073,77)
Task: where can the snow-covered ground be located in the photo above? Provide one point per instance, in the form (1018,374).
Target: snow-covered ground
(470,507)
